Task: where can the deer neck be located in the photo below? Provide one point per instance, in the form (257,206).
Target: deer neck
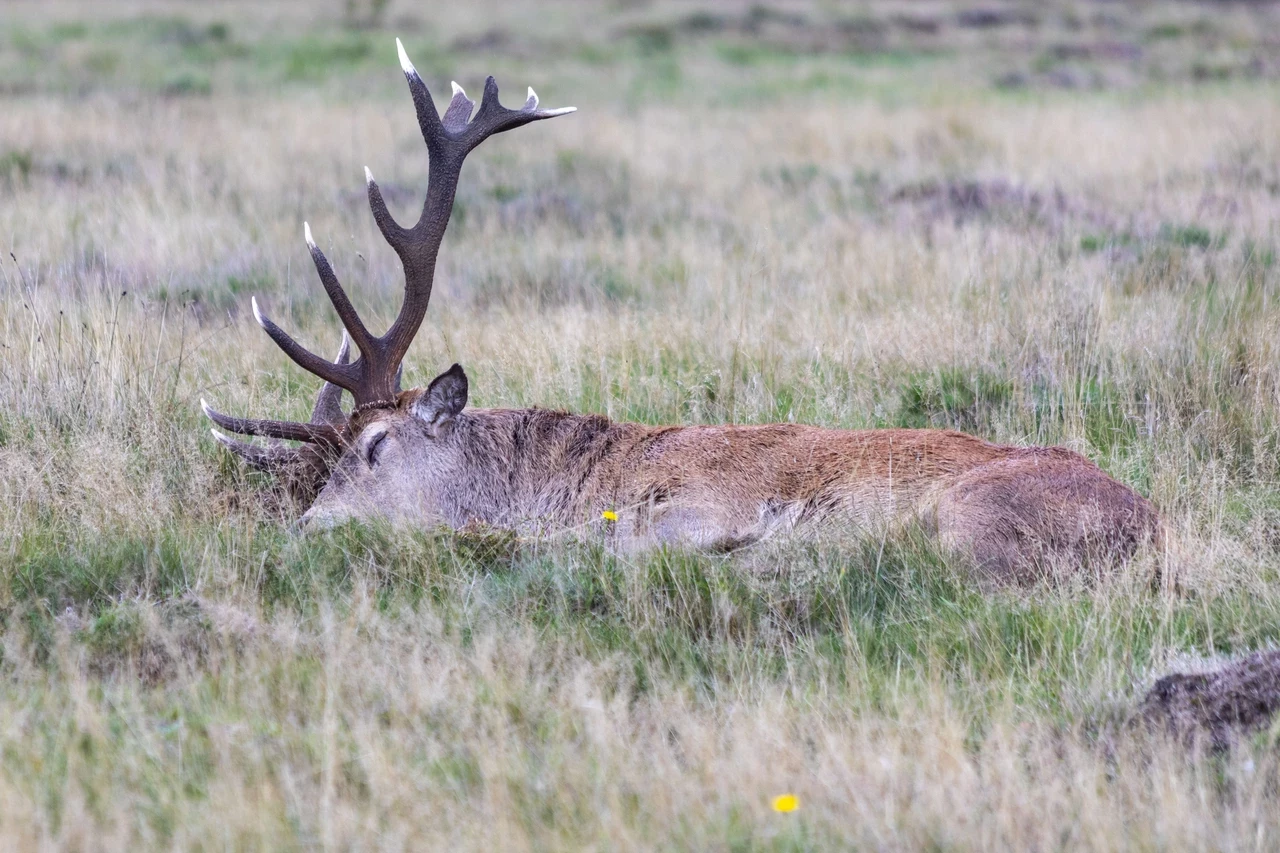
(529,468)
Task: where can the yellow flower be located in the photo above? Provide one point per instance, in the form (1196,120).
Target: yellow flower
(786,803)
(609,515)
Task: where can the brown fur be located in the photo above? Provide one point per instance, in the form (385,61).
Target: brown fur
(723,487)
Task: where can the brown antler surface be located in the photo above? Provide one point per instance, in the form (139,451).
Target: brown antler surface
(373,378)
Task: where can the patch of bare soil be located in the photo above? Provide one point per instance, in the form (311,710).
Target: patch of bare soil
(1214,709)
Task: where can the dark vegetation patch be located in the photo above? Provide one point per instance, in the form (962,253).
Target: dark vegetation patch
(1052,78)
(21,166)
(963,200)
(1216,709)
(1189,236)
(958,201)
(996,17)
(1177,258)
(492,39)
(1182,236)
(762,31)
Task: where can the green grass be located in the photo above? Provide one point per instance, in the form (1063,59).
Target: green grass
(674,617)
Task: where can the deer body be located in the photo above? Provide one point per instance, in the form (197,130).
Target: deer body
(419,457)
(725,487)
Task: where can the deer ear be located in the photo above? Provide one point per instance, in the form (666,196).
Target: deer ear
(444,398)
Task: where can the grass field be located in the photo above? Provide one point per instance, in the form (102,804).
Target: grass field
(1046,223)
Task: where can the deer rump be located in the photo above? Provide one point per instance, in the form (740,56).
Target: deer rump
(421,457)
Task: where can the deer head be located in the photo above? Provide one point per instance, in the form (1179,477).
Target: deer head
(332,441)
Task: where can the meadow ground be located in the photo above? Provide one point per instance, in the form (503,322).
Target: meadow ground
(1047,223)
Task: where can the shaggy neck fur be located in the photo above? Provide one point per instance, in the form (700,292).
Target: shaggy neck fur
(536,467)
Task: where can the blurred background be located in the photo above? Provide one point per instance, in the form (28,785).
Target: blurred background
(143,105)
(713,51)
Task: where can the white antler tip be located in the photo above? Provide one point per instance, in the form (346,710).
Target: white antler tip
(562,111)
(257,312)
(404,60)
(204,407)
(368,176)
(222,438)
(532,94)
(306,232)
(457,90)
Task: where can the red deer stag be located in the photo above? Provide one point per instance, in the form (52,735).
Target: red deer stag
(421,457)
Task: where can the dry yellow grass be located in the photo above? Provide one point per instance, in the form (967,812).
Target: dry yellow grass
(740,225)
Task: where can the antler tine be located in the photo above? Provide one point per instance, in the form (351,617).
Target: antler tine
(338,296)
(291,430)
(493,118)
(269,458)
(449,140)
(344,375)
(458,113)
(327,419)
(428,120)
(328,407)
(374,378)
(391,230)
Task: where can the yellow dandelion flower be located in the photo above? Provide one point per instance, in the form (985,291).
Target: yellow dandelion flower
(609,515)
(786,803)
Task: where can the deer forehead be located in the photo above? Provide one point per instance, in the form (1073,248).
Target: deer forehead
(379,421)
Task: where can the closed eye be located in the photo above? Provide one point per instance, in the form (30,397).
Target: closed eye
(375,448)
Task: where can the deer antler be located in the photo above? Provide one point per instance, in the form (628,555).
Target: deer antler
(325,428)
(371,379)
